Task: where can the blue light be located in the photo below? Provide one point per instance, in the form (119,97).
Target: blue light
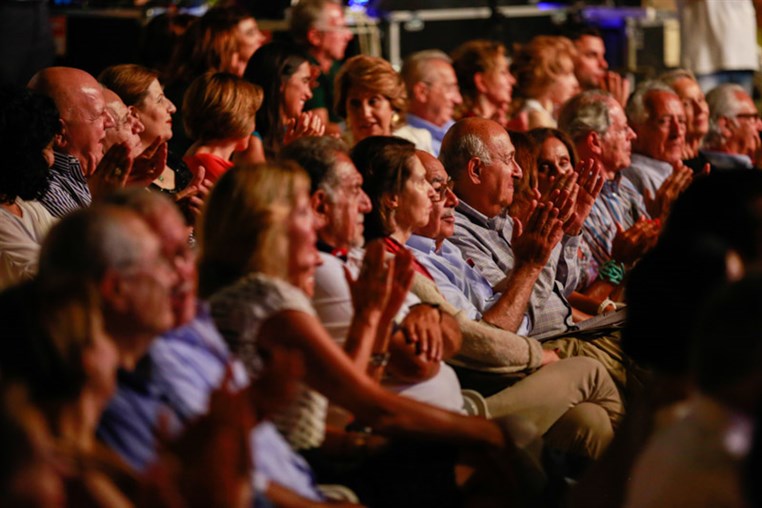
(358,4)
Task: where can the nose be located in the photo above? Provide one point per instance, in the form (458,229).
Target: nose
(451,200)
(517,171)
(366,109)
(171,107)
(108,122)
(456,97)
(365,204)
(603,63)
(631,133)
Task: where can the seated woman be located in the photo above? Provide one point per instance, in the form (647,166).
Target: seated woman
(484,79)
(140,90)
(371,97)
(219,117)
(28,123)
(545,80)
(256,279)
(285,76)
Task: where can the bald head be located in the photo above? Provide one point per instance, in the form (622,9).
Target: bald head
(79,99)
(479,156)
(126,125)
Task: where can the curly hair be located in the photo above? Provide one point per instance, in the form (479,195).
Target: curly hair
(28,123)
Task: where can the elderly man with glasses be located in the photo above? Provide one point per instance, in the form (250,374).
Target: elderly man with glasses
(733,140)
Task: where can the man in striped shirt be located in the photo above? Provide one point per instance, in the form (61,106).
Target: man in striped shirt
(618,227)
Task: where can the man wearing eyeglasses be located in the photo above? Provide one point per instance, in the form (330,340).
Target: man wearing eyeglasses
(320,28)
(433,94)
(733,140)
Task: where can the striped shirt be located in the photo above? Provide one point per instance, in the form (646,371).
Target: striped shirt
(618,203)
(646,173)
(486,245)
(68,189)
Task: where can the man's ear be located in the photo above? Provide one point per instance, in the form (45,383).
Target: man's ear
(593,143)
(314,37)
(724,124)
(59,140)
(320,203)
(421,92)
(112,290)
(479,83)
(474,170)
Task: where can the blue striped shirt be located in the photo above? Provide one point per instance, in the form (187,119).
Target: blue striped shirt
(68,189)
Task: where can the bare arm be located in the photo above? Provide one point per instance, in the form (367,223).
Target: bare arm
(330,371)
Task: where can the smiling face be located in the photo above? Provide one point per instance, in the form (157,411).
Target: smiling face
(662,135)
(85,125)
(303,256)
(296,91)
(368,114)
(155,112)
(497,175)
(414,203)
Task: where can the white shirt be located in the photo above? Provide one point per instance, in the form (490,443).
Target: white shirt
(20,239)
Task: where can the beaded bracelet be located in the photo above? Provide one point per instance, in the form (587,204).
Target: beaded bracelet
(612,271)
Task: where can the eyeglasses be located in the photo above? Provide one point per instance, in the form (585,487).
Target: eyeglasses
(748,116)
(441,191)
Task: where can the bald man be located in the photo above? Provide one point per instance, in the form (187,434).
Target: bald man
(79,147)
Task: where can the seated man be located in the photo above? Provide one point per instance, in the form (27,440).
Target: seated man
(618,230)
(79,147)
(433,93)
(526,263)
(502,356)
(656,114)
(590,65)
(683,82)
(733,140)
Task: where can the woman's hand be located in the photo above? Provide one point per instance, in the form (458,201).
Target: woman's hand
(306,124)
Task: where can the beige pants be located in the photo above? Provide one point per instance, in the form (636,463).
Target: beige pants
(574,403)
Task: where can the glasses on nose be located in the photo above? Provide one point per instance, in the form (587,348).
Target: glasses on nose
(440,192)
(754,117)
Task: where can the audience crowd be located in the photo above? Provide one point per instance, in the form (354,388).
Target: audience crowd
(271,274)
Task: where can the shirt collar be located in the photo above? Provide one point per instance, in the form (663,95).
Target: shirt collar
(436,131)
(422,244)
(638,159)
(68,165)
(496,223)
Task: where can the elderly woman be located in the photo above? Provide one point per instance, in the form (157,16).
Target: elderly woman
(140,90)
(371,96)
(485,81)
(545,80)
(258,279)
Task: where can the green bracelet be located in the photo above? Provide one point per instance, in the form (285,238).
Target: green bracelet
(612,271)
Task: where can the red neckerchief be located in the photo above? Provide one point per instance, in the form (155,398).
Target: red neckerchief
(394,247)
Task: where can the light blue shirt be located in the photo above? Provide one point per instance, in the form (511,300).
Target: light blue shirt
(460,284)
(437,133)
(182,369)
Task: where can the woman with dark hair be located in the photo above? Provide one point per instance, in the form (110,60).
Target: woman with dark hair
(28,124)
(285,75)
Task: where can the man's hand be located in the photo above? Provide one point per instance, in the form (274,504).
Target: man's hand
(590,182)
(658,206)
(533,243)
(617,86)
(630,245)
(149,165)
(549,356)
(112,172)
